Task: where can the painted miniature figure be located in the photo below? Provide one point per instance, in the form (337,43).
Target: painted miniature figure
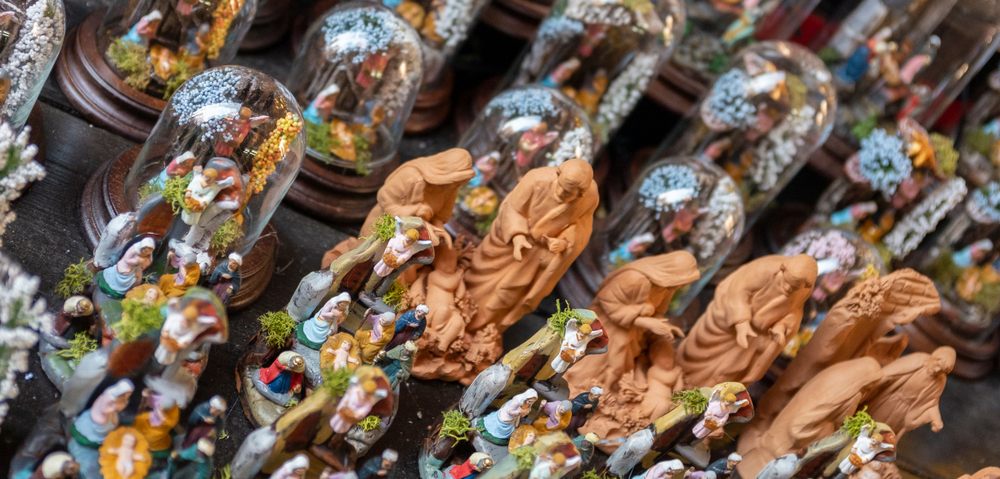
(207,421)
(630,250)
(157,422)
(118,279)
(178,167)
(499,425)
(555,416)
(202,189)
(76,316)
(486,168)
(320,108)
(92,426)
(663,470)
(284,375)
(175,285)
(524,435)
(194,462)
(865,448)
(475,465)
(236,130)
(314,331)
(716,414)
(398,363)
(754,313)
(57,465)
(182,327)
(371,341)
(357,402)
(382,467)
(547,466)
(226,279)
(294,468)
(144,29)
(340,351)
(399,249)
(125,455)
(410,326)
(584,406)
(586,444)
(723,468)
(532,140)
(908,396)
(574,345)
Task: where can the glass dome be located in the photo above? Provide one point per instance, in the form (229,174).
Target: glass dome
(520,129)
(357,76)
(218,162)
(602,54)
(760,120)
(155,45)
(717,29)
(679,203)
(31,33)
(980,145)
(843,260)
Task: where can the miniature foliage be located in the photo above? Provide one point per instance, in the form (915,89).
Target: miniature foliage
(336,382)
(224,473)
(173,192)
(131,59)
(81,345)
(384,228)
(276,326)
(147,189)
(318,136)
(718,63)
(558,321)
(455,426)
(292,403)
(397,296)
(137,320)
(693,400)
(76,277)
(980,141)
(944,270)
(944,151)
(272,152)
(363,155)
(829,55)
(853,424)
(370,423)
(592,474)
(484,224)
(227,235)
(525,456)
(989,297)
(182,71)
(864,128)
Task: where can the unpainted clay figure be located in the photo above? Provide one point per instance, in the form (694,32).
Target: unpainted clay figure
(855,327)
(865,448)
(985,473)
(325,322)
(425,187)
(499,425)
(362,394)
(754,313)
(908,395)
(817,411)
(118,279)
(630,304)
(574,345)
(555,416)
(125,455)
(294,468)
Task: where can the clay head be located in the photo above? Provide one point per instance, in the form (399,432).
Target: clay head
(297,364)
(146,246)
(58,465)
(484,464)
(592,438)
(558,460)
(798,272)
(70,468)
(564,407)
(729,399)
(575,177)
(389,457)
(733,460)
(78,306)
(585,329)
(386,319)
(412,236)
(640,244)
(529,438)
(942,360)
(128,441)
(345,346)
(235,261)
(152,294)
(421,311)
(216,405)
(245,112)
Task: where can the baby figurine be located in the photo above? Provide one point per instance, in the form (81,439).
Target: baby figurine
(342,355)
(125,455)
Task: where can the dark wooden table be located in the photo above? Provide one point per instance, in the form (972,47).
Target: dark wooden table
(46,237)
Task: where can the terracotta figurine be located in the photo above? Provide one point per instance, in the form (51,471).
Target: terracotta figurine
(382,467)
(294,468)
(499,425)
(908,395)
(986,473)
(584,406)
(754,313)
(116,280)
(371,341)
(340,351)
(226,278)
(397,251)
(410,326)
(476,464)
(284,375)
(325,322)
(357,402)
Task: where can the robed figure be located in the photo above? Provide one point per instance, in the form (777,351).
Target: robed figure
(908,395)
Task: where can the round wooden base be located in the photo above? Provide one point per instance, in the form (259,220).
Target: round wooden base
(95,90)
(337,194)
(270,24)
(104,198)
(432,106)
(517,18)
(676,88)
(471,102)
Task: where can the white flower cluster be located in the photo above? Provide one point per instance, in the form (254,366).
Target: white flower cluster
(15,148)
(21,317)
(984,205)
(193,101)
(32,56)
(552,33)
(728,101)
(600,12)
(624,92)
(883,162)
(455,20)
(830,244)
(777,151)
(667,186)
(576,143)
(524,102)
(362,32)
(725,214)
(921,220)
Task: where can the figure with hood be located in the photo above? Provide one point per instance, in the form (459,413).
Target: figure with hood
(499,425)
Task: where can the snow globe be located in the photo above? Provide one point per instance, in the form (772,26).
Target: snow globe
(520,129)
(601,54)
(760,120)
(356,77)
(31,33)
(677,203)
(123,63)
(205,185)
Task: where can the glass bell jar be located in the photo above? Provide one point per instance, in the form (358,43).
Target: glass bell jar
(219,161)
(31,33)
(760,120)
(980,145)
(155,45)
(843,259)
(520,129)
(601,54)
(356,78)
(717,29)
(676,204)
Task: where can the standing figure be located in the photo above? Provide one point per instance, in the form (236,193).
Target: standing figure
(574,344)
(144,29)
(294,468)
(754,313)
(226,279)
(203,188)
(324,103)
(586,445)
(908,395)
(398,250)
(382,467)
(284,375)
(359,399)
(325,322)
(499,425)
(194,462)
(561,73)
(398,363)
(556,416)
(127,272)
(409,327)
(532,140)
(207,421)
(76,316)
(125,455)
(236,130)
(178,167)
(475,465)
(371,341)
(584,406)
(716,414)
(865,448)
(181,329)
(175,285)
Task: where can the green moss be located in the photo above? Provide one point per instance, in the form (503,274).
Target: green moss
(693,400)
(131,59)
(829,55)
(718,63)
(865,127)
(141,319)
(455,426)
(318,136)
(336,382)
(148,189)
(944,270)
(944,152)
(76,278)
(276,326)
(292,403)
(525,456)
(592,474)
(397,296)
(370,423)
(362,155)
(223,473)
(80,346)
(854,423)
(558,321)
(173,192)
(797,91)
(484,224)
(182,71)
(384,227)
(980,141)
(989,297)
(226,236)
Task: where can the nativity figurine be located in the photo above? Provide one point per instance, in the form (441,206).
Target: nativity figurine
(380,467)
(314,331)
(226,279)
(117,279)
(908,395)
(125,455)
(282,379)
(499,425)
(555,416)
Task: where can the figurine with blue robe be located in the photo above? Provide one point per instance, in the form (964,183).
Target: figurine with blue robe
(409,327)
(226,279)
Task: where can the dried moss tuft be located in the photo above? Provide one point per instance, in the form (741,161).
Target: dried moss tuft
(854,423)
(558,321)
(455,426)
(80,346)
(173,192)
(693,400)
(225,237)
(397,296)
(944,151)
(525,456)
(137,320)
(131,59)
(336,382)
(76,278)
(276,326)
(370,423)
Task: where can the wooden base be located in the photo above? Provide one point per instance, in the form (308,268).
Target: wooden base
(37,135)
(517,18)
(973,361)
(270,24)
(471,102)
(104,198)
(676,88)
(337,194)
(432,106)
(95,90)
(828,160)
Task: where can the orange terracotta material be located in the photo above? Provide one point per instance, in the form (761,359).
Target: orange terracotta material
(987,473)
(908,395)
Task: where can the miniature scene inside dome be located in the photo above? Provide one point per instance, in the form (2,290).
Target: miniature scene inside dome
(31,33)
(760,120)
(155,45)
(602,55)
(979,146)
(520,129)
(356,78)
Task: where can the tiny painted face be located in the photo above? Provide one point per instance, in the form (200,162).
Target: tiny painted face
(71,468)
(731,464)
(121,402)
(128,441)
(213,411)
(385,321)
(528,402)
(233,265)
(529,438)
(593,397)
(151,294)
(386,464)
(146,251)
(345,346)
(420,315)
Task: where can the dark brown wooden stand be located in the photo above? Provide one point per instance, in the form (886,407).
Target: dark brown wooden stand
(270,24)
(517,18)
(471,102)
(104,198)
(37,135)
(337,194)
(976,348)
(432,106)
(676,88)
(96,91)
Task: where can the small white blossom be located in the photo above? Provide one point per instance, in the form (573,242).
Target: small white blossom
(15,148)
(922,219)
(576,143)
(723,220)
(667,186)
(778,150)
(624,92)
(984,205)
